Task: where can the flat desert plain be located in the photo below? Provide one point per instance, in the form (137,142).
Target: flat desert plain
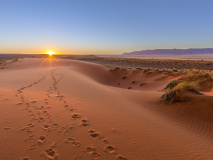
(73,110)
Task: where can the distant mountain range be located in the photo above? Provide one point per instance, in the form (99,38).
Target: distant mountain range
(190,51)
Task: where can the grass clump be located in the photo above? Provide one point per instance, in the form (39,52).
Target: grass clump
(172,84)
(174,94)
(197,75)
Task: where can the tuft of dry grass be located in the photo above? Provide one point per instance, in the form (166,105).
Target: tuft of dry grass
(172,84)
(190,81)
(173,94)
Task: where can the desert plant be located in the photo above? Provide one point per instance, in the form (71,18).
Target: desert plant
(172,84)
(173,95)
(197,75)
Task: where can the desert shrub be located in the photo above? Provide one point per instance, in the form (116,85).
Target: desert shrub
(188,86)
(197,75)
(174,69)
(172,84)
(173,95)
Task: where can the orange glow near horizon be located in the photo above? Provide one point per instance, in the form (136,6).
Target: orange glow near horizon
(50,53)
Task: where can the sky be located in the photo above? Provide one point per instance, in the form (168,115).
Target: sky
(104,26)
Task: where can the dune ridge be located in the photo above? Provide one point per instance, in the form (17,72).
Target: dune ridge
(66,109)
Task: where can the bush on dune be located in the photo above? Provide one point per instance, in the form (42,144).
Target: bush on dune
(173,94)
(190,81)
(197,75)
(172,84)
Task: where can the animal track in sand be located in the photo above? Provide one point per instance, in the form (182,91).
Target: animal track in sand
(41,119)
(28,128)
(65,106)
(41,139)
(26,158)
(46,126)
(142,84)
(75,115)
(92,152)
(93,133)
(33,102)
(72,141)
(84,122)
(69,140)
(31,147)
(29,138)
(105,141)
(76,143)
(50,153)
(120,157)
(110,149)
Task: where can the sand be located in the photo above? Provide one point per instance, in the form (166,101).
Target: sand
(73,110)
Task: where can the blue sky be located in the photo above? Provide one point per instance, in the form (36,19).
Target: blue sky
(104,26)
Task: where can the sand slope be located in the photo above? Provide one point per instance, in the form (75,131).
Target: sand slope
(61,109)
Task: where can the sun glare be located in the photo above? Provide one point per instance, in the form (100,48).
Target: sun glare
(50,53)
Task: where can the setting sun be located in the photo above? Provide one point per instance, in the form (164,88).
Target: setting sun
(50,53)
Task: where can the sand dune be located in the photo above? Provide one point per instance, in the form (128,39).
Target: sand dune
(67,110)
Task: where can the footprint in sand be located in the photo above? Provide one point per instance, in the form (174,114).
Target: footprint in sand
(19,103)
(75,143)
(92,152)
(120,157)
(28,128)
(31,147)
(26,158)
(142,84)
(105,141)
(29,138)
(72,141)
(110,149)
(84,122)
(75,115)
(41,139)
(68,140)
(133,82)
(50,153)
(93,134)
(46,126)
(33,102)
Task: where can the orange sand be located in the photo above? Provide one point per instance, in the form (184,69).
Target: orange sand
(72,110)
